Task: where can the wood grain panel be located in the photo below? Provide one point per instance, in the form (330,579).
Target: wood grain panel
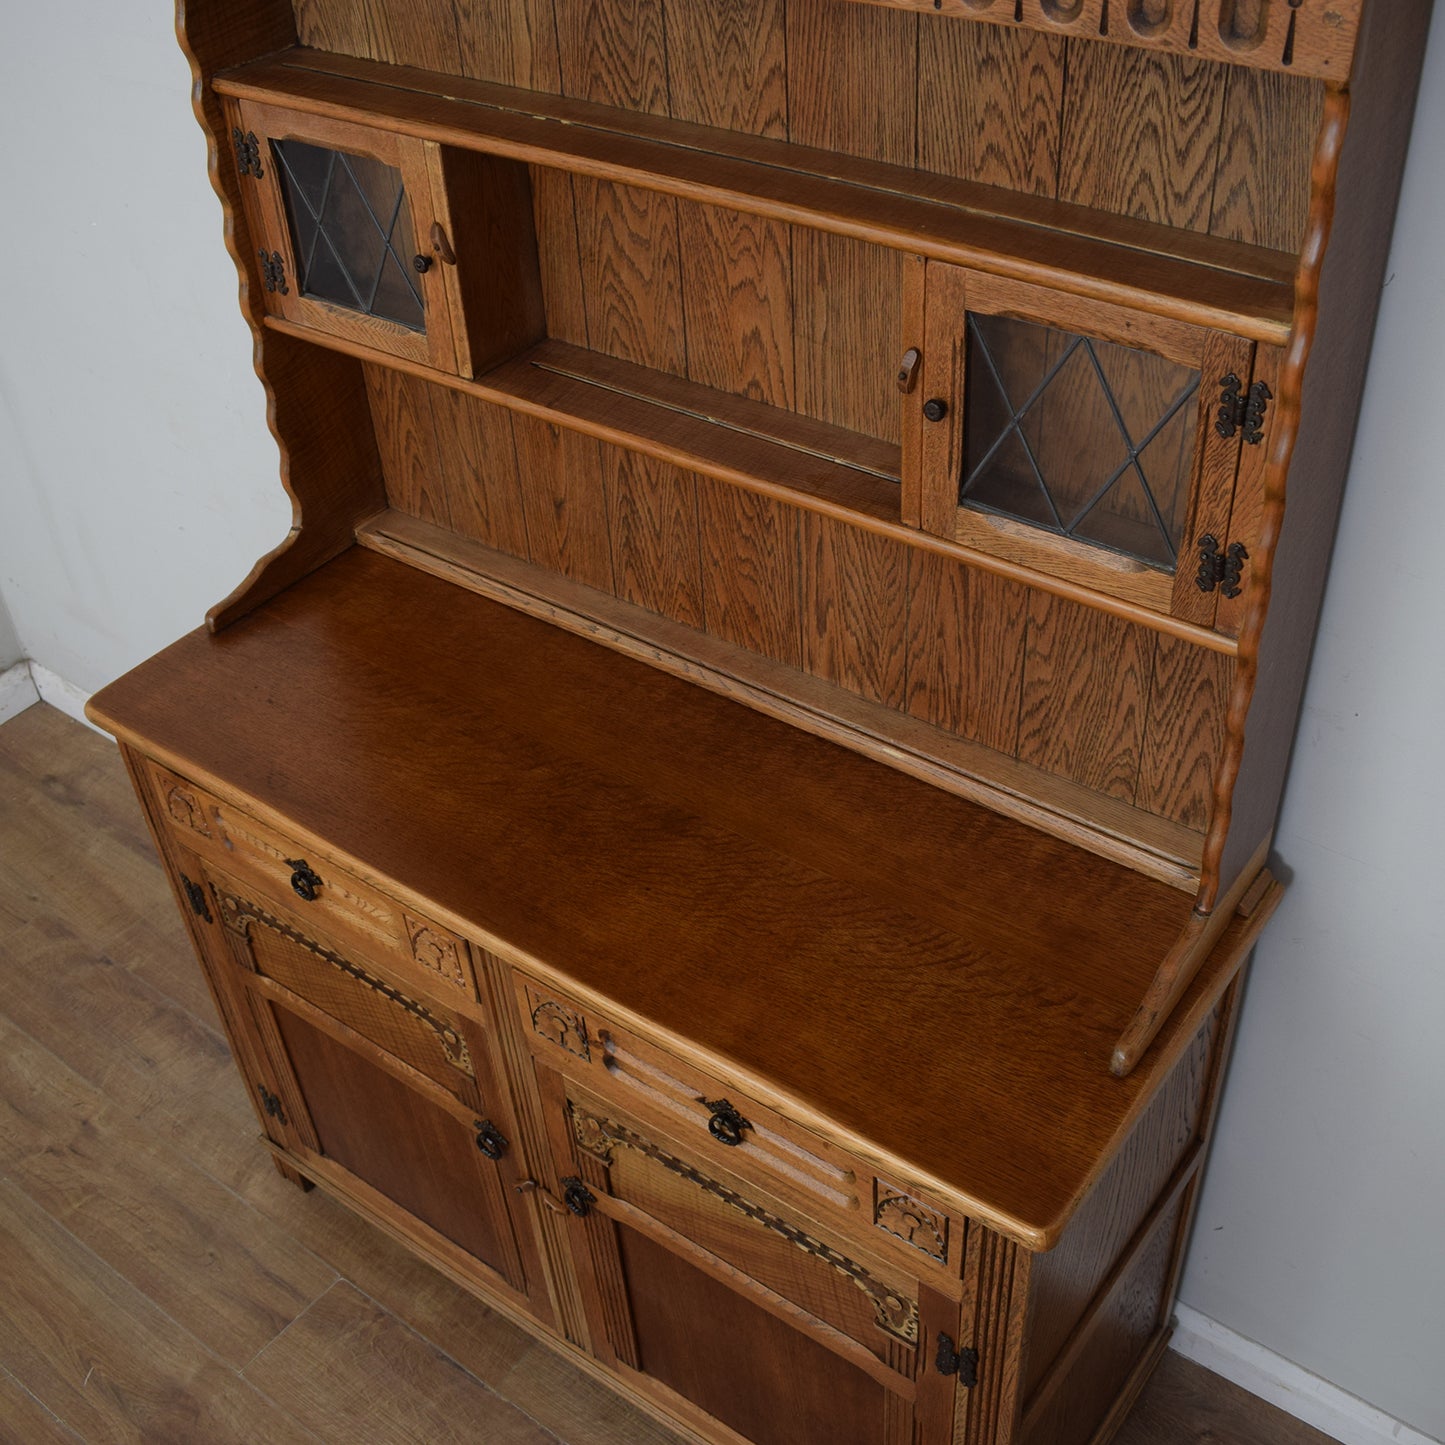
(1085,695)
(335,25)
(559,257)
(727,65)
(652,516)
(401,411)
(848,331)
(990,99)
(1262,189)
(699,1338)
(852,79)
(422,33)
(965,650)
(564,502)
(750,570)
(855,609)
(1184,738)
(1064,1281)
(612,51)
(631,273)
(478,464)
(513,42)
(737,289)
(1161,114)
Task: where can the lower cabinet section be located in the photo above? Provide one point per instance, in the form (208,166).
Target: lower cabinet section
(731,1305)
(730,1269)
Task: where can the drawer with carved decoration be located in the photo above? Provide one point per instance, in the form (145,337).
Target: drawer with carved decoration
(330,897)
(730,1125)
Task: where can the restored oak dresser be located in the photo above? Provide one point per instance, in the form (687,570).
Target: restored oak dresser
(733,822)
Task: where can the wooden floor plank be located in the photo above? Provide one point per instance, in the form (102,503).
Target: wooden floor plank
(219,1268)
(25,1421)
(353,1371)
(103,1358)
(108,1048)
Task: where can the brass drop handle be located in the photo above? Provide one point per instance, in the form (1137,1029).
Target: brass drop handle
(935,409)
(441,245)
(304,879)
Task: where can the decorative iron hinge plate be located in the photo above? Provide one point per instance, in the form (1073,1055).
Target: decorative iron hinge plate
(273,271)
(248,153)
(196,897)
(952,1361)
(1220,569)
(1241,412)
(271,1104)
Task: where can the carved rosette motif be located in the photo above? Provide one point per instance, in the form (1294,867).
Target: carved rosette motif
(909,1219)
(238,914)
(894,1313)
(186,808)
(566,1029)
(437,951)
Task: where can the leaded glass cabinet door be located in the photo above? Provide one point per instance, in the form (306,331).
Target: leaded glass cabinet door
(351,238)
(1081,439)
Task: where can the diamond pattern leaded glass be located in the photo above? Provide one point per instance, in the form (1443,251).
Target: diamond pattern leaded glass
(348,216)
(1083,437)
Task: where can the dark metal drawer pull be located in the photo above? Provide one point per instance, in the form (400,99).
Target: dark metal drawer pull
(726,1125)
(304,879)
(490,1139)
(578,1197)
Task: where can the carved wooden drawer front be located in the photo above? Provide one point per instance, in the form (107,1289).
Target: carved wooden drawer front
(665,1223)
(730,1126)
(331,898)
(415,1030)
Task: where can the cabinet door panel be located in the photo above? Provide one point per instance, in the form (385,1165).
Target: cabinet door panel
(770,1382)
(419,1155)
(1078,437)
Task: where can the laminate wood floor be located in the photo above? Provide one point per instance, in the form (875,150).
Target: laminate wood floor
(159,1282)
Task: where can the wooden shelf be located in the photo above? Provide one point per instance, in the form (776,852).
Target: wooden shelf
(1142,841)
(1233,287)
(806,463)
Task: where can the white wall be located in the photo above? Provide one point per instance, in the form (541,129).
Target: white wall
(137,477)
(138,483)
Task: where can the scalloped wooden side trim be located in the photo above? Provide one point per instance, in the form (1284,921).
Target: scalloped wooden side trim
(1324,180)
(329,469)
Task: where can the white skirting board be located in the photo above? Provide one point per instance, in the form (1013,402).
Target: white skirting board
(61,695)
(1286,1385)
(17,690)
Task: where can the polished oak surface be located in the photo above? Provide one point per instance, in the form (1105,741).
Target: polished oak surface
(740,885)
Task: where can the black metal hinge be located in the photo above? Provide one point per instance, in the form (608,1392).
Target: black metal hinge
(196,897)
(271,1104)
(952,1361)
(1220,569)
(273,272)
(248,153)
(1241,412)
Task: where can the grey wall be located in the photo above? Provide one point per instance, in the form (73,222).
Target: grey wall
(139,484)
(10,649)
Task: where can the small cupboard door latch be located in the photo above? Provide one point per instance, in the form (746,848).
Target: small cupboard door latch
(950,1360)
